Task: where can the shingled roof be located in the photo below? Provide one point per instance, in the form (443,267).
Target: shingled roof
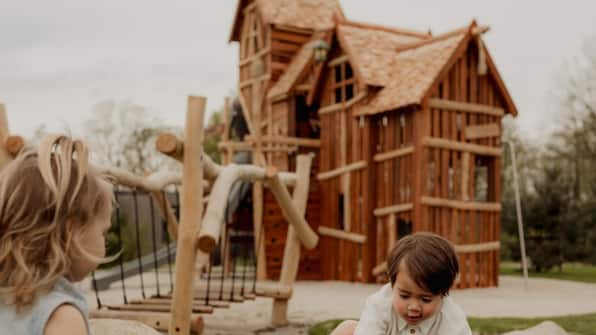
(306,14)
(372,49)
(411,74)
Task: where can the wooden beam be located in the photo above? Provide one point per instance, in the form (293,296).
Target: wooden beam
(339,60)
(462,205)
(291,29)
(380,269)
(393,154)
(252,81)
(331,108)
(168,213)
(342,235)
(168,301)
(227,154)
(482,131)
(299,141)
(477,247)
(190,218)
(291,259)
(476,149)
(356,99)
(343,105)
(466,107)
(393,209)
(303,87)
(306,235)
(344,169)
(392,232)
(169,144)
(278,66)
(465,176)
(284,47)
(292,37)
(158,308)
(236,146)
(258,55)
(250,7)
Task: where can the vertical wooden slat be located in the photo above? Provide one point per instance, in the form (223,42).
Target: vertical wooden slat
(291,258)
(368,200)
(190,217)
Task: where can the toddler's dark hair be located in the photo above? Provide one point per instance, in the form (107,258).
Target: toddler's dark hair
(429,259)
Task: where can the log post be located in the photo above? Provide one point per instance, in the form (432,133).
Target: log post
(14,144)
(167,212)
(291,260)
(228,153)
(169,144)
(305,234)
(5,157)
(190,218)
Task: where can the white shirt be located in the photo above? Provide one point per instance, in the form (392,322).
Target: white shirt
(378,318)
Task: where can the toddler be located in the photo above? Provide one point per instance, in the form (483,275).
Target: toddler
(55,211)
(422,268)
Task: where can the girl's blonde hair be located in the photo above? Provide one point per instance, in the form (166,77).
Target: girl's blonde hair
(46,198)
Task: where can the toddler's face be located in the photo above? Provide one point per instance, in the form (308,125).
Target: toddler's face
(412,303)
(93,239)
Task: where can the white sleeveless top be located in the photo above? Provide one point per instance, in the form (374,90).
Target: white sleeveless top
(33,320)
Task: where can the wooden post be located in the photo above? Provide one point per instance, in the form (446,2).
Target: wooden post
(4,154)
(291,260)
(257,191)
(465,177)
(190,218)
(228,154)
(14,144)
(303,231)
(392,228)
(259,229)
(167,212)
(421,130)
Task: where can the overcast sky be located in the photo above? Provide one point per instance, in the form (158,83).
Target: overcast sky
(59,58)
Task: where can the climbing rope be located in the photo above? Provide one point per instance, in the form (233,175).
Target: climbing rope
(138,237)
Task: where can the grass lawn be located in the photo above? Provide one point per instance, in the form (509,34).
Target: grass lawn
(571,271)
(578,324)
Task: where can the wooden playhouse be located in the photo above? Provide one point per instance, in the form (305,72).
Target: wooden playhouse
(405,129)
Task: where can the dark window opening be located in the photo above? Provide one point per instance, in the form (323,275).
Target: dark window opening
(349,72)
(338,97)
(403,228)
(349,91)
(338,77)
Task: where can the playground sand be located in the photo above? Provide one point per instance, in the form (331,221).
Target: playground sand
(318,301)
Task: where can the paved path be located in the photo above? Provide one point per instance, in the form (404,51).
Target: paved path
(318,301)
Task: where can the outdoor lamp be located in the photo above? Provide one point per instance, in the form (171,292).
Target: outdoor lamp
(320,49)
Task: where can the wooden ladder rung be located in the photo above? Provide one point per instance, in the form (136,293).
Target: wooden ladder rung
(158,308)
(168,301)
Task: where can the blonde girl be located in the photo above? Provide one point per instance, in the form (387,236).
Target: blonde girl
(55,211)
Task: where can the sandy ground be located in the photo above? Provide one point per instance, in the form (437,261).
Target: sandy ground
(319,301)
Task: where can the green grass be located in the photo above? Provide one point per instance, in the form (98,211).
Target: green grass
(571,271)
(324,328)
(577,324)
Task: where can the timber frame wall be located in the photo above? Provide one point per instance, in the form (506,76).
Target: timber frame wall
(375,177)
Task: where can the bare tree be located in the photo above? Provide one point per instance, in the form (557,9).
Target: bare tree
(123,134)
